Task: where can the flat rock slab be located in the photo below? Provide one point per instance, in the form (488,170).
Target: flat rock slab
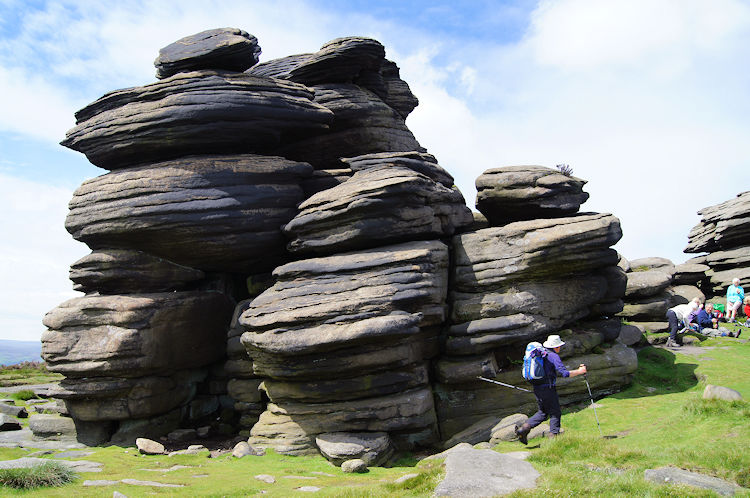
(26,462)
(135,482)
(25,439)
(672,475)
(473,473)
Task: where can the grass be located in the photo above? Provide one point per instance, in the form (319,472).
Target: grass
(26,373)
(43,475)
(660,420)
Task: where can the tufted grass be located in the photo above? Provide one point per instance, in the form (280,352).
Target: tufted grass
(43,475)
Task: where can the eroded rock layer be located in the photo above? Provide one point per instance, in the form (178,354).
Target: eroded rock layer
(216,213)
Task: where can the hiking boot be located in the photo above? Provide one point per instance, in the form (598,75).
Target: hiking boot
(522,433)
(738,333)
(671,343)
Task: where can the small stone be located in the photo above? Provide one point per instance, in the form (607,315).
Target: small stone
(13,410)
(117,494)
(269,479)
(136,482)
(149,446)
(721,392)
(352,466)
(203,431)
(241,449)
(309,489)
(100,482)
(405,478)
(672,475)
(8,423)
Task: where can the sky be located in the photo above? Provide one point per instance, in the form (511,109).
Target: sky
(647,100)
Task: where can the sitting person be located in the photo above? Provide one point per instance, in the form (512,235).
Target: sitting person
(746,310)
(705,318)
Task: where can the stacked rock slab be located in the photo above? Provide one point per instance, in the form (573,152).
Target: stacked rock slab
(655,285)
(519,281)
(369,101)
(343,341)
(724,234)
(188,209)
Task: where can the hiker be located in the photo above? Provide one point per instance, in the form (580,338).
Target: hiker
(546,392)
(746,309)
(735,296)
(677,316)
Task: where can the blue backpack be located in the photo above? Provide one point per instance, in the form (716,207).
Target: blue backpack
(533,361)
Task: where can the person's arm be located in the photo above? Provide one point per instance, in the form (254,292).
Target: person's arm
(555,359)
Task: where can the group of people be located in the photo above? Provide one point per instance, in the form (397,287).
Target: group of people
(705,318)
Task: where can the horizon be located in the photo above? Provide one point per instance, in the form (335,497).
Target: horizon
(647,101)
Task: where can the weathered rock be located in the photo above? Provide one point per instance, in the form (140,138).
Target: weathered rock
(623,263)
(198,112)
(13,410)
(268,479)
(149,447)
(379,205)
(242,449)
(74,465)
(672,475)
(683,294)
(323,179)
(721,392)
(643,284)
(631,334)
(421,162)
(652,327)
(475,433)
(218,213)
(52,426)
(373,448)
(689,273)
(224,48)
(723,226)
(515,193)
(514,283)
(362,124)
(245,390)
(8,423)
(180,435)
(653,263)
(470,472)
(122,271)
(647,309)
(135,335)
(354,466)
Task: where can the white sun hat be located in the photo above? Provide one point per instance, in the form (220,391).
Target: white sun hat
(553,342)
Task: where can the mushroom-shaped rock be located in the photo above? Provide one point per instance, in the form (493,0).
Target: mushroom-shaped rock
(224,48)
(516,193)
(374,448)
(198,112)
(214,213)
(723,226)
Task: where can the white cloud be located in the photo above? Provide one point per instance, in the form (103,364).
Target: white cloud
(34,260)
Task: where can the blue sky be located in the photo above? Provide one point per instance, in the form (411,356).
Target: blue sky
(645,99)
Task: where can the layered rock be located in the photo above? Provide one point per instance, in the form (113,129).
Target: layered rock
(352,78)
(653,288)
(224,48)
(337,334)
(385,201)
(198,112)
(215,213)
(515,193)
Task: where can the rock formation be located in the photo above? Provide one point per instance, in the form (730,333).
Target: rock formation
(275,255)
(723,233)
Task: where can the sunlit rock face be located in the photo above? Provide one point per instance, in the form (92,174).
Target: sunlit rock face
(274,255)
(723,233)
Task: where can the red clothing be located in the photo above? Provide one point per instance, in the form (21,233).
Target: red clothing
(746,309)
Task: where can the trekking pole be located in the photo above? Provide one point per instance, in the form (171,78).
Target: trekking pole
(503,384)
(593,405)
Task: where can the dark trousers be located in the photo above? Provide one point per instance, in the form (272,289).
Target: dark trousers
(674,324)
(548,406)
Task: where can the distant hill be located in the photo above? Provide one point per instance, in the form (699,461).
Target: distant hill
(12,352)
